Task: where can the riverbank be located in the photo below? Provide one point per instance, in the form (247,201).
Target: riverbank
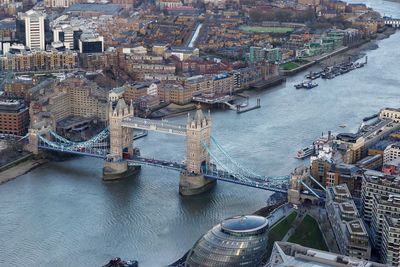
(20,169)
(358,52)
(344,53)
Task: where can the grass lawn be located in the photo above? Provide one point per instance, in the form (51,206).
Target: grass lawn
(290,66)
(279,230)
(309,235)
(257,29)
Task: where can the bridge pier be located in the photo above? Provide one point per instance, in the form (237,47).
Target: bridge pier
(194,184)
(114,170)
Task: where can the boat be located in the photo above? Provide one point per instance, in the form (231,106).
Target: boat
(305,152)
(310,85)
(343,126)
(313,75)
(298,86)
(370,117)
(117,262)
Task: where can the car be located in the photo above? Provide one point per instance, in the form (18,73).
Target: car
(172,165)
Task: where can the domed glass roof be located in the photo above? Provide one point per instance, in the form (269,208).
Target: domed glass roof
(244,224)
(237,241)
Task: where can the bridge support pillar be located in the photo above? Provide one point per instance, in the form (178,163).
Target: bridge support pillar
(114,170)
(194,184)
(33,142)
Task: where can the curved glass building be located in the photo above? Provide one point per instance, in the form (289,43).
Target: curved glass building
(237,241)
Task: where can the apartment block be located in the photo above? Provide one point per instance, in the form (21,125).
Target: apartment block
(381,206)
(350,232)
(376,183)
(390,252)
(38,61)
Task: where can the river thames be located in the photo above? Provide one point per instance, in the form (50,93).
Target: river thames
(62,214)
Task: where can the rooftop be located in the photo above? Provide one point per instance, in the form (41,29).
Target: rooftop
(289,254)
(244,224)
(357,227)
(108,9)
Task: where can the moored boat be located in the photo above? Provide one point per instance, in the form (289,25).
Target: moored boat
(117,262)
(305,152)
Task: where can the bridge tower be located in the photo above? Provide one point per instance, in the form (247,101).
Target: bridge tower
(198,130)
(33,138)
(115,166)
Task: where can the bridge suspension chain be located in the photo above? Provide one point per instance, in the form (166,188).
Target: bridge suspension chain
(251,173)
(222,165)
(95,139)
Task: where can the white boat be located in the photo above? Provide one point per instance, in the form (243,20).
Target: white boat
(305,152)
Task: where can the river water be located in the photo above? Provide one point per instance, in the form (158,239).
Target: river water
(62,214)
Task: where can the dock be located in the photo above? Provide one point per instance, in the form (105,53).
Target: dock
(240,110)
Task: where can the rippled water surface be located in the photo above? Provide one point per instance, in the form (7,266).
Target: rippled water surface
(62,214)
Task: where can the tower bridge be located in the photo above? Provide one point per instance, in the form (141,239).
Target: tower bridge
(203,165)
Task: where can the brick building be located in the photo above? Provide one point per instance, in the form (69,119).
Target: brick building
(14,117)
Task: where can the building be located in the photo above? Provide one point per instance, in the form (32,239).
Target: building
(381,206)
(286,254)
(376,183)
(38,60)
(14,117)
(390,113)
(59,3)
(236,241)
(72,97)
(67,35)
(350,232)
(354,147)
(91,43)
(348,174)
(34,30)
(392,152)
(390,241)
(116,93)
(162,4)
(18,87)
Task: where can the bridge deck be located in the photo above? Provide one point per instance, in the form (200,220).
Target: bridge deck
(154,125)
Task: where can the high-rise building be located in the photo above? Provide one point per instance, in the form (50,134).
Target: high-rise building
(376,183)
(34,30)
(381,206)
(350,233)
(91,43)
(390,252)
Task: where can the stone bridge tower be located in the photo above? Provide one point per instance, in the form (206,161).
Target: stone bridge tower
(198,130)
(115,166)
(120,137)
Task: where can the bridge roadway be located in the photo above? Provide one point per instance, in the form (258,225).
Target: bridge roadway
(161,126)
(217,175)
(269,184)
